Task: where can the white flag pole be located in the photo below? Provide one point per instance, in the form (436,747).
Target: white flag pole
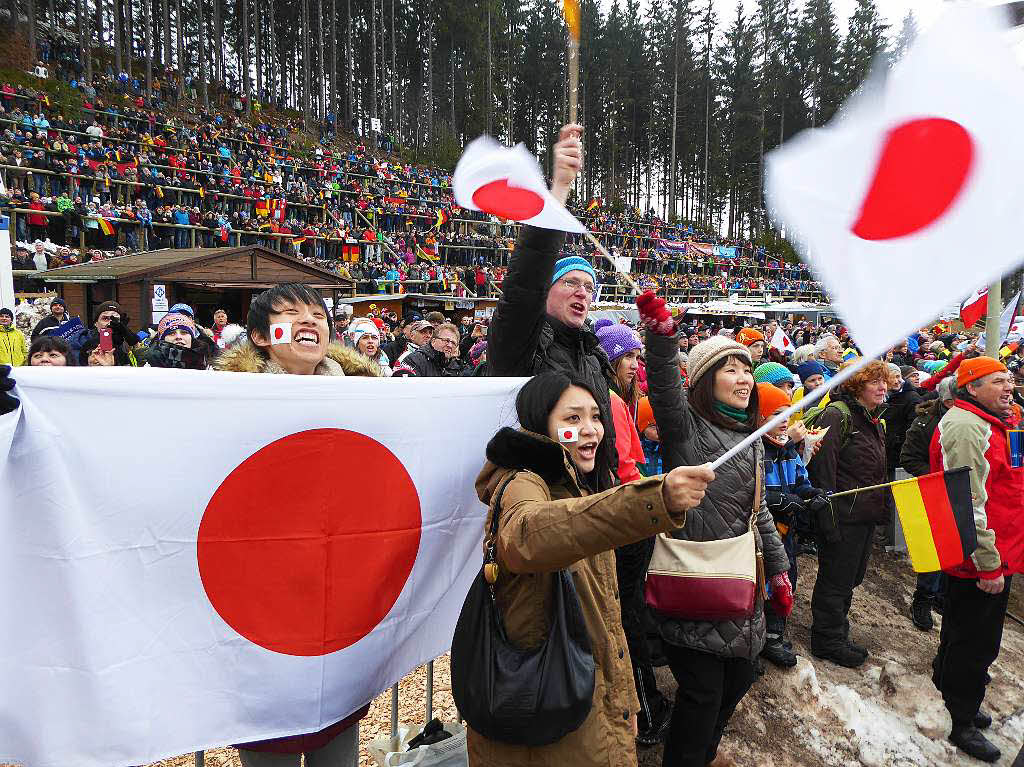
(615,267)
(994,311)
(810,399)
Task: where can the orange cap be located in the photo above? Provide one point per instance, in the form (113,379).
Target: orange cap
(769,399)
(644,414)
(747,336)
(978,367)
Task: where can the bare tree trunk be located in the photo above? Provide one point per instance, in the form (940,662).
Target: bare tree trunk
(373,60)
(508,80)
(396,89)
(52,16)
(246,87)
(167,34)
(273,63)
(305,62)
(258,26)
(118,40)
(348,64)
(129,36)
(147,13)
(451,61)
(490,99)
(429,135)
(32,32)
(332,39)
(83,44)
(99,23)
(218,47)
(203,72)
(179,29)
(323,83)
(675,115)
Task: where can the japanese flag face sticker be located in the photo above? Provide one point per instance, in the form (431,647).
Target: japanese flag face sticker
(569,434)
(281,333)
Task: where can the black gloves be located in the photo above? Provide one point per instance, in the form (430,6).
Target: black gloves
(8,402)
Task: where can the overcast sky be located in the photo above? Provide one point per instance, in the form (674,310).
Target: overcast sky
(892,11)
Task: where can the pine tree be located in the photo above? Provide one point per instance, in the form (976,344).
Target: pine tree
(864,43)
(908,32)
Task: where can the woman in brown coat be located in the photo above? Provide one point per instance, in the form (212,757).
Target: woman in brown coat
(557,512)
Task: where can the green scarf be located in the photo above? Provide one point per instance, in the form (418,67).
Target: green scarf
(731,412)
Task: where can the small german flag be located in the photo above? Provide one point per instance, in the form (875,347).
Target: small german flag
(298,240)
(594,203)
(160,192)
(938,518)
(45,99)
(442,219)
(106,227)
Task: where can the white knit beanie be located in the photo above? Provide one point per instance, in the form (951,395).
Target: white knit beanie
(704,355)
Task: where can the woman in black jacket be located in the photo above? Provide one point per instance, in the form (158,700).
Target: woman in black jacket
(852,455)
(712,661)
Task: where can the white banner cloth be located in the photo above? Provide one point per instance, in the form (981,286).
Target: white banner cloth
(190,559)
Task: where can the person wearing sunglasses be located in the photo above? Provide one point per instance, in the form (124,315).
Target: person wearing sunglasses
(437,358)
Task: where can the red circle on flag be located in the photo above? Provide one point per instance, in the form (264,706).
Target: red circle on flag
(307,544)
(922,169)
(278,334)
(506,201)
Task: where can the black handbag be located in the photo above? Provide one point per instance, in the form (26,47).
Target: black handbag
(522,697)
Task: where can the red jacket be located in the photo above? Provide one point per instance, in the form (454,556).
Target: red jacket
(967,435)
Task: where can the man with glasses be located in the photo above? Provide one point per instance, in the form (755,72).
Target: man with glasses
(436,358)
(540,325)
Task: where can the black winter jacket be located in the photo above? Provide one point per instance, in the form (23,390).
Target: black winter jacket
(915,457)
(523,340)
(851,460)
(687,439)
(898,413)
(428,362)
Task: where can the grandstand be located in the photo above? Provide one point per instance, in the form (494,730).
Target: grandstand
(108,173)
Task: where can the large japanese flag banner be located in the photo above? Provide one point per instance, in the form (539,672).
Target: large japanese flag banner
(913,193)
(191,559)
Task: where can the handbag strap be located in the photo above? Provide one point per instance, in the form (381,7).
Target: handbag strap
(489,548)
(758,490)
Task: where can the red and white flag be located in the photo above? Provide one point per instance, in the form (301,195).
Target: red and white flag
(974,308)
(781,341)
(507,182)
(266,556)
(916,184)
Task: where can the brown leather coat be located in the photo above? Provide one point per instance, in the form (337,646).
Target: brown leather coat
(549,521)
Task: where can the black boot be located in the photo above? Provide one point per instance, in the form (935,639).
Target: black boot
(655,733)
(921,613)
(982,720)
(970,740)
(843,655)
(776,651)
(862,651)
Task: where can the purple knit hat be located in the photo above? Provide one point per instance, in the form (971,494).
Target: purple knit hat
(617,340)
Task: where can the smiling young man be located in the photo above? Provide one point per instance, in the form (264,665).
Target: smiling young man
(974,433)
(290,333)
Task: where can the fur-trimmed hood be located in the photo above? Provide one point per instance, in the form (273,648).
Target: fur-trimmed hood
(340,361)
(518,449)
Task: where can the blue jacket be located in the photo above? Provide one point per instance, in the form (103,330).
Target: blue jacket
(786,484)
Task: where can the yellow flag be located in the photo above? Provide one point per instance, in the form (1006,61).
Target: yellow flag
(571,9)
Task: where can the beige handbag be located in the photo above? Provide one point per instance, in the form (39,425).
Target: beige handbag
(707,580)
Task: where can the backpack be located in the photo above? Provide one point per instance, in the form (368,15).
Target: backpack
(813,416)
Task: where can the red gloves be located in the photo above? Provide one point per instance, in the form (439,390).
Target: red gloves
(655,315)
(782,595)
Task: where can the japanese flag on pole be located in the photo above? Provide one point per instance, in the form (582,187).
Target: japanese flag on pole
(781,341)
(918,182)
(226,557)
(508,183)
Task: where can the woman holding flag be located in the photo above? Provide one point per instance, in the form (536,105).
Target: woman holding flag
(712,658)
